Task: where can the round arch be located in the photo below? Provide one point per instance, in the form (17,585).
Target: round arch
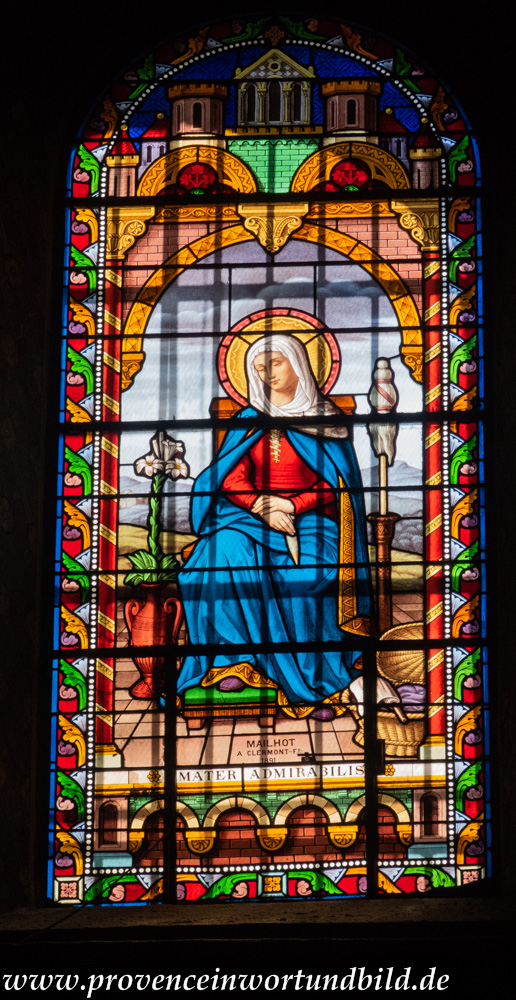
(399,810)
(307,799)
(318,167)
(237,802)
(230,169)
(401,299)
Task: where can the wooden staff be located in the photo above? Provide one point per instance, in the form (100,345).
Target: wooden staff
(383,399)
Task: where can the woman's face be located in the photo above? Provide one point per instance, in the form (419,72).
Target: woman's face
(276,372)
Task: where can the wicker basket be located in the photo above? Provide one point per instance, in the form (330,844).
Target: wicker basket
(401,740)
(402,666)
(399,666)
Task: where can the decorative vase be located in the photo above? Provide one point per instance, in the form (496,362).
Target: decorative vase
(152,622)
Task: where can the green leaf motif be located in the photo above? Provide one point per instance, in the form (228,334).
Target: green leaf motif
(73,678)
(70,789)
(251,30)
(402,68)
(75,571)
(85,264)
(143,560)
(81,365)
(464,352)
(461,252)
(145,75)
(169,562)
(151,569)
(462,562)
(466,668)
(90,163)
(436,876)
(458,154)
(102,887)
(468,779)
(78,466)
(226,884)
(462,455)
(298,29)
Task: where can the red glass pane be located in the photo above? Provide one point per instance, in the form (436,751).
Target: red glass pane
(197,175)
(348,172)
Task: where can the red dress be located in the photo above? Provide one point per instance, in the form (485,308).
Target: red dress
(270,467)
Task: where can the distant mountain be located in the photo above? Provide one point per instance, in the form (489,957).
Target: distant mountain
(408,503)
(408,536)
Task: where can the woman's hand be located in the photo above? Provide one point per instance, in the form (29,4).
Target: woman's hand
(276,511)
(280,521)
(267,503)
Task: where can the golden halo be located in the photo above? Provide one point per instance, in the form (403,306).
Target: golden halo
(321,348)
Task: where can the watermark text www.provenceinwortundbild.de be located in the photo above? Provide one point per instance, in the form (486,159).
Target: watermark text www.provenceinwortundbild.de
(356,978)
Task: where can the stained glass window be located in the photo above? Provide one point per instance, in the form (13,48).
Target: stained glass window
(270,667)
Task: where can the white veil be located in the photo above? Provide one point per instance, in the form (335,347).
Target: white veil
(308,401)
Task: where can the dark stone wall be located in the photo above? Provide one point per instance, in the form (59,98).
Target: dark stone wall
(58,61)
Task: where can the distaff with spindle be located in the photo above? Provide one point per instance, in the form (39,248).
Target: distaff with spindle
(383,399)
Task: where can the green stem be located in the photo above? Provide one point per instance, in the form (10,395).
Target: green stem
(154,520)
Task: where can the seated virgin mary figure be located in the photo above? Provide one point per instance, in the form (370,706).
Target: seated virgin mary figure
(281,562)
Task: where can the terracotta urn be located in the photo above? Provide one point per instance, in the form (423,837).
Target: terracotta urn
(153,621)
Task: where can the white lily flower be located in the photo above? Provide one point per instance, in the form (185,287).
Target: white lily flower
(165,456)
(178,469)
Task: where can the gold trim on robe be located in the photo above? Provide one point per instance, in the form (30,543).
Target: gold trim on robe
(348,618)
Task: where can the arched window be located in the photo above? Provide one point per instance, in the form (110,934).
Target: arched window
(108,823)
(271,507)
(274,94)
(333,114)
(430,815)
(252,103)
(297,103)
(197,115)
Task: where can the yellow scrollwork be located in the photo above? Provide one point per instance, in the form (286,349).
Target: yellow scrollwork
(462,304)
(354,42)
(77,414)
(72,734)
(75,626)
(195,45)
(196,213)
(468,835)
(124,226)
(465,400)
(421,220)
(350,210)
(465,725)
(76,519)
(272,224)
(464,614)
(109,114)
(81,314)
(465,506)
(458,205)
(69,845)
(87,215)
(156,889)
